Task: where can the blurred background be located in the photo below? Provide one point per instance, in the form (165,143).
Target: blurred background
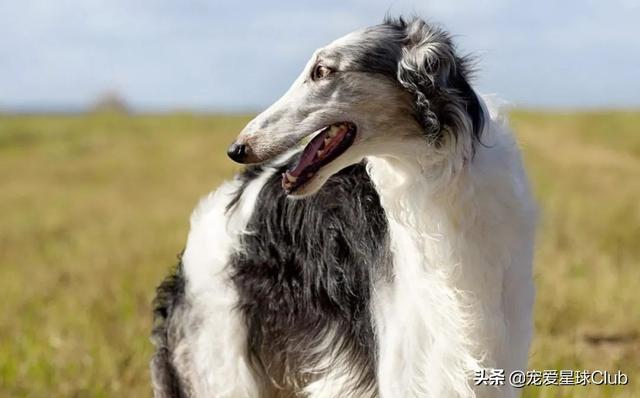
(114,120)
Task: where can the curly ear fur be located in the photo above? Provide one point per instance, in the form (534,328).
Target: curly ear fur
(430,69)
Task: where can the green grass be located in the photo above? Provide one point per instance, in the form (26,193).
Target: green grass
(94,209)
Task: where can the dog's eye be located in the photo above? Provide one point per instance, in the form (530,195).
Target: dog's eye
(320,72)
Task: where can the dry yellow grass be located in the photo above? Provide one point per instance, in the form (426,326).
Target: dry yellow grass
(94,209)
(586,173)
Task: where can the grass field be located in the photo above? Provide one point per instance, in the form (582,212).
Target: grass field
(94,209)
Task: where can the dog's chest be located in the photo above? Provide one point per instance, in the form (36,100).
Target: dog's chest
(304,278)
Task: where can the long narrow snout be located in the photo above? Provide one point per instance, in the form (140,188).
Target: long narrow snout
(267,135)
(278,128)
(253,146)
(246,147)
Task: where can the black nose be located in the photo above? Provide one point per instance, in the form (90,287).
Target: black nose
(237,152)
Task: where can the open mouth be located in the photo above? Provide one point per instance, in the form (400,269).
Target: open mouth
(332,141)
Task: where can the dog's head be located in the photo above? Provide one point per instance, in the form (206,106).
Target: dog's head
(370,93)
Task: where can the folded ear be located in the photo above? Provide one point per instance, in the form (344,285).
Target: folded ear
(429,68)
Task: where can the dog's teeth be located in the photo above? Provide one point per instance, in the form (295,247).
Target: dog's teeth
(332,132)
(319,154)
(327,140)
(290,178)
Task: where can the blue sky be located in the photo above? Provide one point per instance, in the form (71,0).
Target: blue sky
(241,55)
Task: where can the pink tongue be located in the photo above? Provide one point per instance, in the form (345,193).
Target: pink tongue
(309,154)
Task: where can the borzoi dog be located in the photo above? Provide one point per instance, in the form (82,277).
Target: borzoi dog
(391,257)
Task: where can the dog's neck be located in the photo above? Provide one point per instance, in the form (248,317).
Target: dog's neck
(414,177)
(446,290)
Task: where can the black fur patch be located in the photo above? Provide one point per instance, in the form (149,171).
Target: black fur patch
(169,296)
(305,276)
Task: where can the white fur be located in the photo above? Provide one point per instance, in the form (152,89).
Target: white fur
(215,343)
(462,296)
